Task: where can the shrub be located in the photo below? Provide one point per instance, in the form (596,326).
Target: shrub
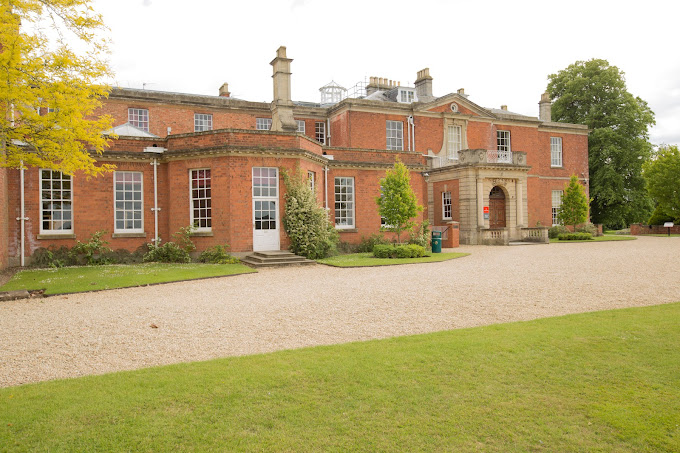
(587,228)
(345,247)
(123,256)
(421,236)
(306,223)
(168,252)
(217,255)
(94,250)
(52,257)
(575,237)
(555,231)
(367,243)
(398,251)
(183,238)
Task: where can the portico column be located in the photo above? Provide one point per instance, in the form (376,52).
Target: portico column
(480,203)
(520,204)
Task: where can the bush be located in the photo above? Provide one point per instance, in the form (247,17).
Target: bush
(52,257)
(587,228)
(575,237)
(123,256)
(167,253)
(344,247)
(306,223)
(398,251)
(367,243)
(555,231)
(421,236)
(94,250)
(217,255)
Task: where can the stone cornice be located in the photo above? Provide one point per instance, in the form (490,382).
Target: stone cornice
(347,164)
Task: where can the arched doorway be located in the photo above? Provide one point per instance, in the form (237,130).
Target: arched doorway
(496,208)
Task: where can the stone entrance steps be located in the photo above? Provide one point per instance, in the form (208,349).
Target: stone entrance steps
(275,258)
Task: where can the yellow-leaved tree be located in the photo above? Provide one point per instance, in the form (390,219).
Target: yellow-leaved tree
(52,66)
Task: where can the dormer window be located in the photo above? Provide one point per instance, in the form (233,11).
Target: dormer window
(406,96)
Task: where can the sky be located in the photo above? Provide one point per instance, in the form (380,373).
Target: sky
(500,52)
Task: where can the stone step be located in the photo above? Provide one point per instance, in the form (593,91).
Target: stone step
(275,258)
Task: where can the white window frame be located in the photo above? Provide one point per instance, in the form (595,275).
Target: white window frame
(139,118)
(344,202)
(263,124)
(124,177)
(556,203)
(203,122)
(454,142)
(446,206)
(320,132)
(56,195)
(300,126)
(556,151)
(395,135)
(196,198)
(407,96)
(311,178)
(503,140)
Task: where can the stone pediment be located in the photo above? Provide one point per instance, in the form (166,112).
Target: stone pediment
(456,103)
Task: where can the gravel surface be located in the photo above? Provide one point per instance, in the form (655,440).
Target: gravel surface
(95,333)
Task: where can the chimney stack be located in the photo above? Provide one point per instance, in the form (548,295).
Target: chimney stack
(504,107)
(545,108)
(424,86)
(224,90)
(282,105)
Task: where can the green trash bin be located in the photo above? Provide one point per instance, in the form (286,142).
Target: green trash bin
(436,242)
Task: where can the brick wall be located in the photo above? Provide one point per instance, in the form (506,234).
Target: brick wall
(637,229)
(4,219)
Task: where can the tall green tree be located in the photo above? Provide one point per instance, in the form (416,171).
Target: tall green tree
(52,63)
(663,181)
(574,208)
(397,202)
(594,93)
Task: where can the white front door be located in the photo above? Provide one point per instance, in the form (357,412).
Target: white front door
(265,208)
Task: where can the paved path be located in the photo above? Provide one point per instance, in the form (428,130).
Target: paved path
(94,333)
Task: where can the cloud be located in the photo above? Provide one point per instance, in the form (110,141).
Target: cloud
(297,3)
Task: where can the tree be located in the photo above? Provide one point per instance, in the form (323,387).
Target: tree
(574,207)
(397,203)
(594,93)
(663,182)
(48,90)
(306,223)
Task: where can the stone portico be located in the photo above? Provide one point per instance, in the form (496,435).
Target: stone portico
(484,179)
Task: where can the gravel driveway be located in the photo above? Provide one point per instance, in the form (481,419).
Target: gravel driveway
(94,333)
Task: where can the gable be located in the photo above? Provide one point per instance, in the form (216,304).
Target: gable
(460,103)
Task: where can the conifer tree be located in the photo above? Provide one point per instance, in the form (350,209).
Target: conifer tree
(574,208)
(397,203)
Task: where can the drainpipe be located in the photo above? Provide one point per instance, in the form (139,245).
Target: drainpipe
(328,132)
(325,187)
(155,150)
(23,217)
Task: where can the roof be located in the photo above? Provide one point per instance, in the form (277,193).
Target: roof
(128,130)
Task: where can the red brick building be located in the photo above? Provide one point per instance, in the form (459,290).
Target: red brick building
(216,162)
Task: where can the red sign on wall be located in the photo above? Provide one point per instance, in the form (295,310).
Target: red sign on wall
(486,209)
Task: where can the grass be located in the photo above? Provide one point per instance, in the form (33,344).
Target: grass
(89,278)
(367,259)
(605,381)
(605,238)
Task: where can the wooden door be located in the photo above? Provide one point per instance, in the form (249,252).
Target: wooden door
(496,208)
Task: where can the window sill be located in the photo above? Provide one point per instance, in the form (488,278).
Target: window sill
(347,230)
(128,235)
(56,236)
(557,166)
(202,234)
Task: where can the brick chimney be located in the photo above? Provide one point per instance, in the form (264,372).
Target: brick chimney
(424,86)
(224,90)
(545,108)
(504,107)
(282,105)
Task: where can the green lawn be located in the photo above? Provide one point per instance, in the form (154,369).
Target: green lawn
(605,238)
(367,259)
(89,278)
(605,381)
